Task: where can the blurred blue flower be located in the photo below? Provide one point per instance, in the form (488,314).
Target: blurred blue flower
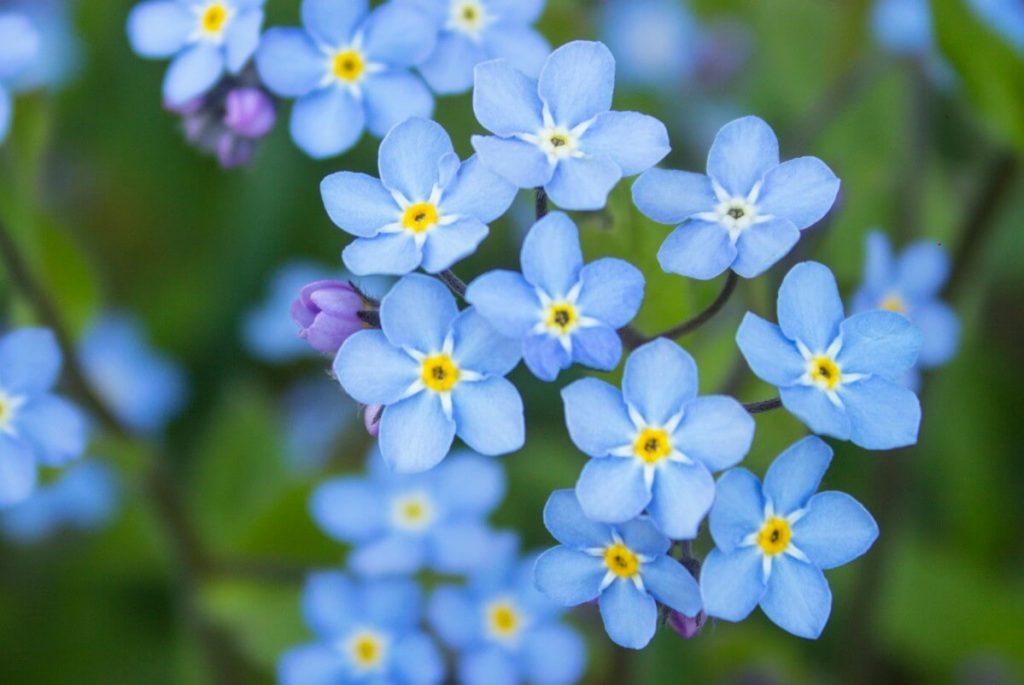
(839,376)
(655,444)
(1005,17)
(746,214)
(626,567)
(402,523)
(474,31)
(427,209)
(84,497)
(910,285)
(19,46)
(505,631)
(205,38)
(36,427)
(437,372)
(903,27)
(59,55)
(558,132)
(349,69)
(656,41)
(773,541)
(316,415)
(365,633)
(144,388)
(561,310)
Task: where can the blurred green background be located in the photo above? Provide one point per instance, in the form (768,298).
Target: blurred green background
(115,210)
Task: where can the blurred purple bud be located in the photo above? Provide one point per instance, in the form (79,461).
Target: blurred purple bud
(371,418)
(233,152)
(687,626)
(249,112)
(328,313)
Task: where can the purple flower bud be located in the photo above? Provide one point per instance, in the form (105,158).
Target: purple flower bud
(371,418)
(687,626)
(233,152)
(328,313)
(249,112)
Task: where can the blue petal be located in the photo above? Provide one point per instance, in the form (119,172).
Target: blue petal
(612,291)
(596,417)
(743,151)
(583,183)
(812,406)
(289,63)
(553,655)
(565,520)
(159,28)
(20,44)
(801,190)
(796,474)
(569,577)
(660,378)
(732,584)
(243,38)
(672,585)
(715,430)
(672,197)
(762,245)
(418,313)
(879,342)
(835,530)
(489,416)
(505,100)
(641,536)
(372,370)
(469,484)
(391,603)
(883,414)
(479,347)
(357,203)
(391,254)
(348,509)
(612,489)
(922,270)
(635,142)
(489,665)
(810,310)
(394,554)
(879,265)
(333,22)
(477,192)
(523,46)
(451,243)
(521,163)
(54,427)
(630,616)
(598,347)
(454,616)
(415,434)
(545,356)
(551,256)
(17,471)
(517,11)
(682,495)
(738,509)
(313,664)
(392,97)
(395,34)
(940,333)
(326,122)
(697,249)
(577,82)
(193,72)
(330,602)
(417,661)
(461,547)
(29,361)
(771,356)
(507,301)
(410,157)
(449,70)
(797,598)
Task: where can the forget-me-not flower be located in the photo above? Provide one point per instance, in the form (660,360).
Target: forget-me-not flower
(365,633)
(746,213)
(504,630)
(1005,17)
(557,132)
(656,41)
(438,373)
(561,310)
(839,376)
(349,68)
(773,541)
(625,567)
(655,443)
(19,46)
(36,426)
(427,210)
(474,31)
(205,37)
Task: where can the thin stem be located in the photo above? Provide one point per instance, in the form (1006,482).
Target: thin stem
(541,204)
(455,283)
(763,405)
(633,339)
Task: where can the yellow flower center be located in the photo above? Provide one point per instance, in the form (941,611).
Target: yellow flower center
(213,18)
(652,445)
(621,560)
(420,217)
(348,65)
(503,620)
(825,372)
(894,303)
(367,650)
(774,536)
(562,317)
(467,16)
(440,373)
(412,512)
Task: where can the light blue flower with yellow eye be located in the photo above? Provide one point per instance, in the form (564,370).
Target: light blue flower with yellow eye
(557,132)
(561,310)
(773,541)
(625,567)
(840,376)
(19,47)
(1005,17)
(348,67)
(427,210)
(205,38)
(746,213)
(365,633)
(438,373)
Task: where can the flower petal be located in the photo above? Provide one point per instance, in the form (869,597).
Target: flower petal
(569,577)
(551,256)
(697,249)
(883,414)
(477,192)
(54,427)
(506,300)
(348,509)
(193,72)
(454,616)
(518,11)
(771,356)
(583,183)
(415,434)
(480,347)
(330,602)
(358,203)
(672,585)
(312,664)
(391,254)
(470,484)
(732,584)
(659,379)
(681,498)
(505,100)
(565,520)
(520,163)
(801,190)
(395,603)
(451,243)
(715,430)
(159,28)
(326,122)
(797,598)
(462,547)
(738,509)
(545,356)
(630,616)
(671,197)
(612,291)
(488,665)
(598,347)
(812,406)
(634,141)
(489,416)
(743,151)
(392,97)
(29,361)
(393,554)
(243,38)
(372,370)
(395,34)
(449,69)
(17,471)
(523,46)
(417,313)
(553,654)
(333,22)
(940,333)
(922,270)
(596,417)
(796,474)
(417,661)
(835,530)
(612,489)
(880,343)
(577,82)
(410,157)
(810,310)
(762,245)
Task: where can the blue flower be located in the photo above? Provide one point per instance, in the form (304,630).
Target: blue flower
(903,27)
(474,31)
(426,210)
(1005,17)
(36,427)
(205,37)
(59,55)
(365,633)
(438,372)
(561,310)
(402,523)
(839,376)
(655,444)
(505,631)
(773,542)
(910,286)
(557,132)
(19,46)
(625,567)
(746,214)
(657,41)
(144,388)
(349,69)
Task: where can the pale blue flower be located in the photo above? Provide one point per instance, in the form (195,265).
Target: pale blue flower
(19,47)
(903,27)
(657,42)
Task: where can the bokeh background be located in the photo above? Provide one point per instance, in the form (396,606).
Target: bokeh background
(115,211)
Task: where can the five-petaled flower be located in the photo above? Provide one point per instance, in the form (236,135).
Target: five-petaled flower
(746,213)
(773,541)
(561,310)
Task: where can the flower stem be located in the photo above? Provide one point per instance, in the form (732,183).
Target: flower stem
(632,339)
(541,204)
(763,405)
(454,282)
